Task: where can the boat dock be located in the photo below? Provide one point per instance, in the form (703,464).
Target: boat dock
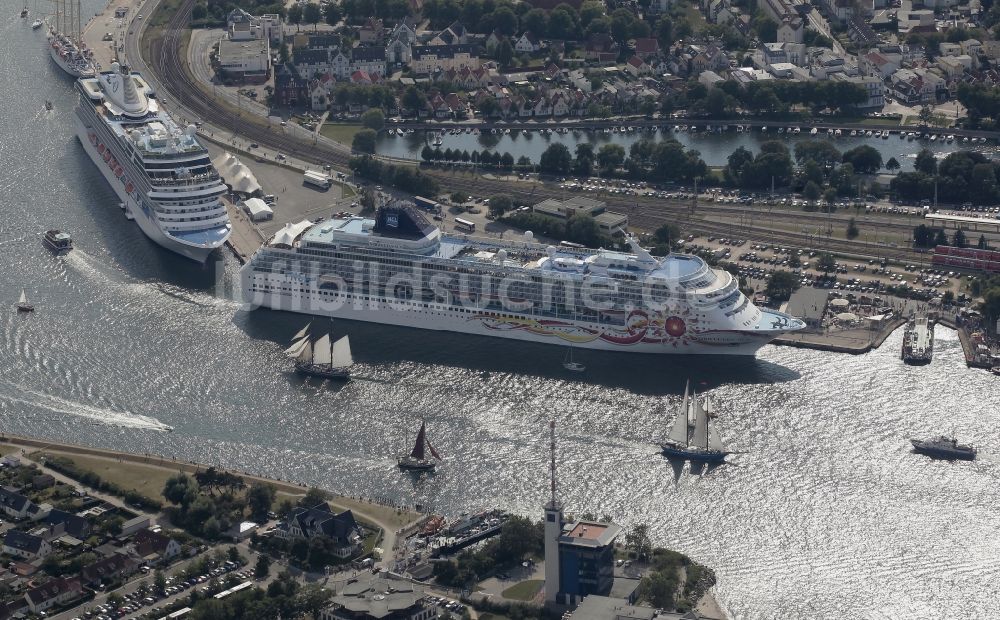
(465,532)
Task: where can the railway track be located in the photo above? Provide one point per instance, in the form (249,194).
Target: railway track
(167,61)
(649,214)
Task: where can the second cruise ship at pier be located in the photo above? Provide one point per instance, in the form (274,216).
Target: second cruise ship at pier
(161,173)
(399,269)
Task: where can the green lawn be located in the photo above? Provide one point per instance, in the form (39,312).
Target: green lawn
(144,479)
(524,591)
(340,132)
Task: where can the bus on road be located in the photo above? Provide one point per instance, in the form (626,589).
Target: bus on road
(465,225)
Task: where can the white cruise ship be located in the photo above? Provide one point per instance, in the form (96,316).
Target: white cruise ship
(399,269)
(161,172)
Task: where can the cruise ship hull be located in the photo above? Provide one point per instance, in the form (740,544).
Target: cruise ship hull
(562,333)
(146,221)
(66,66)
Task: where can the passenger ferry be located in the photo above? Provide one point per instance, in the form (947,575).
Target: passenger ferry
(399,269)
(160,171)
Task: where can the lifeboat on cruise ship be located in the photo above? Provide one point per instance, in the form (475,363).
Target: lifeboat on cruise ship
(101,148)
(129,187)
(118,171)
(93,138)
(107,155)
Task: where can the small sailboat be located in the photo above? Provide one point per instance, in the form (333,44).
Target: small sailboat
(417,459)
(23,305)
(24,11)
(48,104)
(322,358)
(570,365)
(697,442)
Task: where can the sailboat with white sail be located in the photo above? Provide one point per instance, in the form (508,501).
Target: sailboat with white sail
(322,357)
(23,305)
(693,437)
(569,364)
(417,459)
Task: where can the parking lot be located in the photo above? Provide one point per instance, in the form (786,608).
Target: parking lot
(756,263)
(141,600)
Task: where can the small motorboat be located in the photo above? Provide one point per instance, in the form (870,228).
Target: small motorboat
(35,25)
(58,241)
(23,305)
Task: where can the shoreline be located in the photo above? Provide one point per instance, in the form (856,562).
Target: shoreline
(707,605)
(363,506)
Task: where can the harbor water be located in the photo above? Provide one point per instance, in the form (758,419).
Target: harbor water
(826,513)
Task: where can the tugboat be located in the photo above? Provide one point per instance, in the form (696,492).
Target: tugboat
(698,443)
(58,241)
(918,342)
(416,460)
(944,448)
(321,358)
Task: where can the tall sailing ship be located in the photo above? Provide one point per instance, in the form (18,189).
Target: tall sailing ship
(161,173)
(693,436)
(398,269)
(417,459)
(65,39)
(322,358)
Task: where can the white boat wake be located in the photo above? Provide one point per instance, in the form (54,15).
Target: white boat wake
(107,417)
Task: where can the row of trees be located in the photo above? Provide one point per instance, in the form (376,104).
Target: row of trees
(404,178)
(563,22)
(927,237)
(484,159)
(962,176)
(774,97)
(666,160)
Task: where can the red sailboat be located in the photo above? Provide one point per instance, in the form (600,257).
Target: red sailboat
(416,460)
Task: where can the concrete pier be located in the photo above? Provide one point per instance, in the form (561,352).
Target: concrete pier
(853,341)
(105,22)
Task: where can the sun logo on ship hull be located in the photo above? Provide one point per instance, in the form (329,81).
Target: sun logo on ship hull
(675,326)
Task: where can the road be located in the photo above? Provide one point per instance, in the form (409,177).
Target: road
(822,26)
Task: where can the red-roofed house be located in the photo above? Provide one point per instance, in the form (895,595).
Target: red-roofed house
(646,46)
(637,66)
